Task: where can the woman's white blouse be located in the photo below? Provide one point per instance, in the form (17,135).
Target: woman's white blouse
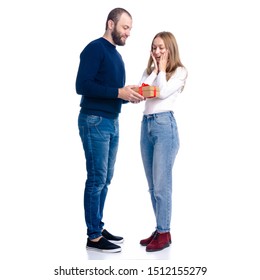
(169,90)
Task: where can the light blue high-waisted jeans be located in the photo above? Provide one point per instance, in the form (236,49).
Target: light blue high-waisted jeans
(99,137)
(159,147)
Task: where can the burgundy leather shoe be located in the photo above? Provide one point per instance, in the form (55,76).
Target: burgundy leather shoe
(145,242)
(159,242)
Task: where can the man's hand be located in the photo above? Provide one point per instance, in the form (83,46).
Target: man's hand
(127,93)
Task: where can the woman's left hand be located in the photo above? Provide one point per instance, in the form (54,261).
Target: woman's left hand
(163,61)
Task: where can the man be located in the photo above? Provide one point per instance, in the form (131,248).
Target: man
(101,82)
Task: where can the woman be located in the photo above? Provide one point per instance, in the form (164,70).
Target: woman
(159,133)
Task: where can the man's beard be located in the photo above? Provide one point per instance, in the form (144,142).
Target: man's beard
(116,36)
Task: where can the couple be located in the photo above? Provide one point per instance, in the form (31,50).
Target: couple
(101,83)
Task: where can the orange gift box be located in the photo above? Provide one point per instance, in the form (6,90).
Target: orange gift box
(148,91)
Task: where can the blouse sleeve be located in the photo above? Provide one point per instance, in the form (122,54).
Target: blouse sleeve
(149,80)
(174,85)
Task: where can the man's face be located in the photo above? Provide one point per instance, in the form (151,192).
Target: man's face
(121,31)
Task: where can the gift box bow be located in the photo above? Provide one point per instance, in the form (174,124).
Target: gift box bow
(146,85)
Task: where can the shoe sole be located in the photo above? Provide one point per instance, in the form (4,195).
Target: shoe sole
(117,250)
(116,241)
(155,250)
(146,244)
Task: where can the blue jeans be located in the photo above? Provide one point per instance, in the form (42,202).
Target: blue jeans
(99,137)
(159,147)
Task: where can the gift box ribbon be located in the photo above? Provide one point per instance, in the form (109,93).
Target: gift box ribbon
(145,85)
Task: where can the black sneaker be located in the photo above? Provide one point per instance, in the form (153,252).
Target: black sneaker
(112,238)
(103,245)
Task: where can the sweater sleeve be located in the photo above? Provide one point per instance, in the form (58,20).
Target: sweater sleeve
(86,82)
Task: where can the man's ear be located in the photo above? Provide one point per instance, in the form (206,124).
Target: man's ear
(111,24)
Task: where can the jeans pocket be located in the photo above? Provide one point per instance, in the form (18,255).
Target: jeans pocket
(162,120)
(94,120)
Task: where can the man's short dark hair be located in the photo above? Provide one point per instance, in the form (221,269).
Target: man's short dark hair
(115,15)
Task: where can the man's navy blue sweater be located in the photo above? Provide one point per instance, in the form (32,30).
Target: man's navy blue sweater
(101,73)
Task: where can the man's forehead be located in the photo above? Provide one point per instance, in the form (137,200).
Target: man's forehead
(125,17)
(125,20)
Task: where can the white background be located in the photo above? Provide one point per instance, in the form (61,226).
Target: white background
(216,175)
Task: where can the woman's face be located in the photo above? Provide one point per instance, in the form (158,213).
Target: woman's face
(158,48)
